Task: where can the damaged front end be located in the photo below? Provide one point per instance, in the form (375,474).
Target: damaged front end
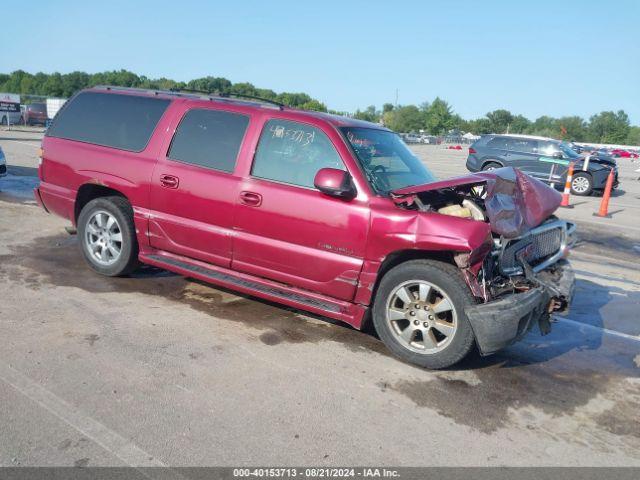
(526,277)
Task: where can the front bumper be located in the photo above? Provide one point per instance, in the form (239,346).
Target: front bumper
(600,179)
(500,323)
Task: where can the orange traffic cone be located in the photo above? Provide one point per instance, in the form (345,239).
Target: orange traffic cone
(604,204)
(567,188)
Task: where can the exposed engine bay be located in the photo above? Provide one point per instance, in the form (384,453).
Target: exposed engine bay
(527,238)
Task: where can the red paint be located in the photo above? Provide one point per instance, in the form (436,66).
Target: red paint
(316,245)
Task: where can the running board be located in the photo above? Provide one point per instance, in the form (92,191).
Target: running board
(257,286)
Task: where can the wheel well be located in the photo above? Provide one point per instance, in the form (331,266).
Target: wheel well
(491,160)
(90,191)
(396,258)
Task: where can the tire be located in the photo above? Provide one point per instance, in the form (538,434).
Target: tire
(441,351)
(582,184)
(491,166)
(120,237)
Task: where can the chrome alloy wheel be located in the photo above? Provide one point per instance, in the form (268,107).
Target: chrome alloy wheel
(580,184)
(103,238)
(421,316)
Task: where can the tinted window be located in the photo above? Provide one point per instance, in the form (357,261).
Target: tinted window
(498,142)
(38,107)
(125,122)
(292,152)
(525,145)
(209,138)
(548,148)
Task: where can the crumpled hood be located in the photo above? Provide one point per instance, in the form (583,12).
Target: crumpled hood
(514,201)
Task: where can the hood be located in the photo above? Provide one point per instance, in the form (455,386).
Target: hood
(514,202)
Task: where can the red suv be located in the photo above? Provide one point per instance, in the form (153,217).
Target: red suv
(323,213)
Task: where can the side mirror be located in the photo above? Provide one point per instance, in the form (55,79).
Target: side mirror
(335,183)
(558,155)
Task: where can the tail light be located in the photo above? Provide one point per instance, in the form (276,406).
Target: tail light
(472,150)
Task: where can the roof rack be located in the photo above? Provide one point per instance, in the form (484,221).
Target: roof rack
(189,93)
(231,95)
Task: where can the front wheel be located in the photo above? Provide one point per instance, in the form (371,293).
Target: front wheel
(418,313)
(582,184)
(107,236)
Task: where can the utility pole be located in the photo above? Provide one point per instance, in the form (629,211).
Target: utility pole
(396,98)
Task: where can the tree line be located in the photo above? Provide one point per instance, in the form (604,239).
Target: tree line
(436,117)
(65,85)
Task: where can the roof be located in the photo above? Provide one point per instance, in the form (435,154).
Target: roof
(335,120)
(522,135)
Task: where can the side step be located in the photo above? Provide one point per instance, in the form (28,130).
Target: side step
(259,287)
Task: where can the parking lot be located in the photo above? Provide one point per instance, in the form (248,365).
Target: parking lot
(157,369)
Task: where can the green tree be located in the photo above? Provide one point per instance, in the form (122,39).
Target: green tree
(633,137)
(370,114)
(519,124)
(609,127)
(387,107)
(439,117)
(572,128)
(544,126)
(500,120)
(313,105)
(404,119)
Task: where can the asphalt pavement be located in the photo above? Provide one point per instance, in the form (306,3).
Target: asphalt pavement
(157,369)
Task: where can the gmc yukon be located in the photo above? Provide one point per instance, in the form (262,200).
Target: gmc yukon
(323,213)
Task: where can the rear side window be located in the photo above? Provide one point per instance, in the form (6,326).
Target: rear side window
(498,142)
(525,145)
(209,138)
(292,152)
(125,122)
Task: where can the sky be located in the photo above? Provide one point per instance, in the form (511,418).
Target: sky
(533,58)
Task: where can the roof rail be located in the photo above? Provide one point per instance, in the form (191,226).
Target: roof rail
(231,95)
(189,93)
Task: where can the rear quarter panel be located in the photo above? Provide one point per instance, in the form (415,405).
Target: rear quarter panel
(69,164)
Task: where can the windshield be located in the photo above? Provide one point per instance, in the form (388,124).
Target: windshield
(568,151)
(387,162)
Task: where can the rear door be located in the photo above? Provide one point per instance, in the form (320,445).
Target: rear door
(522,153)
(286,229)
(194,187)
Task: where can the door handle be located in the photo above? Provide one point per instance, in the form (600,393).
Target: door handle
(169,181)
(250,198)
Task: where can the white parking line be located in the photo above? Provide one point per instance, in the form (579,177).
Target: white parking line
(87,426)
(586,326)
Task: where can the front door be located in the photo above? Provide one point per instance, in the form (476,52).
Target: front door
(287,230)
(194,189)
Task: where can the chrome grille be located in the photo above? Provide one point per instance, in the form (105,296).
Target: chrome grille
(537,247)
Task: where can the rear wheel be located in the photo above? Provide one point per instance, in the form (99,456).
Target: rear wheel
(581,184)
(419,313)
(107,236)
(491,166)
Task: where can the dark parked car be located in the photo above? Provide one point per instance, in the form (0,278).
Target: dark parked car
(543,158)
(319,212)
(35,114)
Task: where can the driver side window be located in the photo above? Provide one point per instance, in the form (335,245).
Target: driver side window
(292,152)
